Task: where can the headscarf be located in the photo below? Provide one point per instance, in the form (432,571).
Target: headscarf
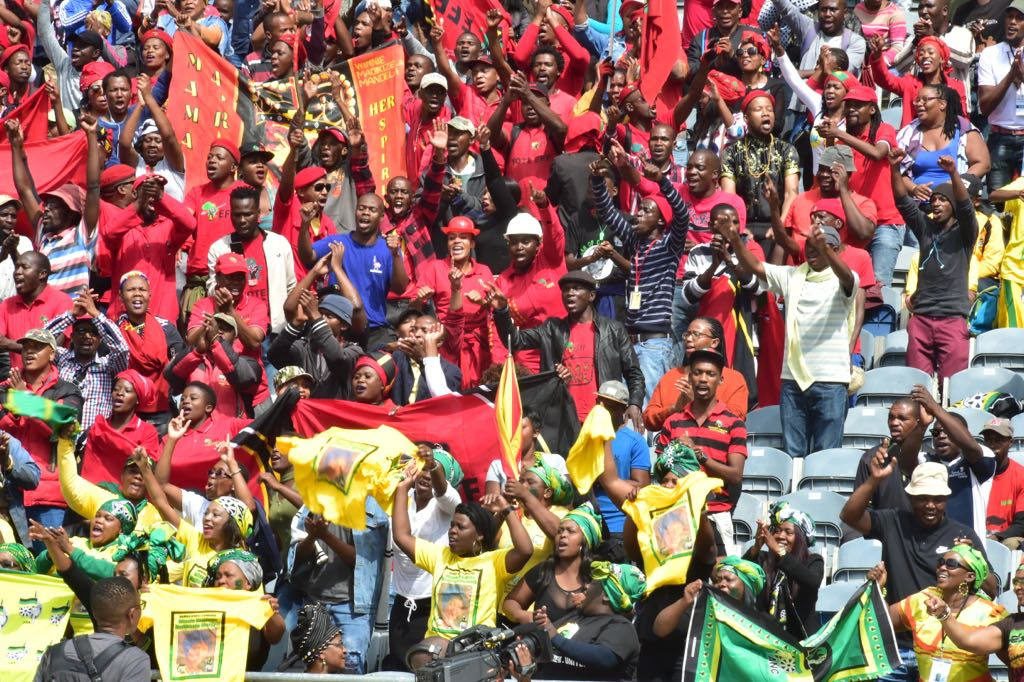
(237,510)
(623,584)
(780,512)
(452,469)
(102,18)
(132,273)
(940,47)
(589,522)
(759,42)
(124,511)
(314,630)
(750,574)
(975,561)
(582,131)
(730,88)
(675,458)
(247,563)
(93,73)
(555,480)
(143,387)
(22,556)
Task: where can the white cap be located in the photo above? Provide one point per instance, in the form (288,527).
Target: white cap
(524,224)
(434,79)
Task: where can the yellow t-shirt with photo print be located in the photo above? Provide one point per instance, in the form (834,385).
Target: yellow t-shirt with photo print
(465,589)
(198,553)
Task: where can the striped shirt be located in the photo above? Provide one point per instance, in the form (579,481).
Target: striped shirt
(721,434)
(652,264)
(70,251)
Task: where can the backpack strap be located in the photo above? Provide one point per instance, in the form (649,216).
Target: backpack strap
(94,666)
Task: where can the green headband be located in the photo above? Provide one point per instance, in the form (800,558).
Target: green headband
(555,480)
(247,563)
(22,556)
(975,561)
(452,470)
(124,511)
(749,573)
(589,522)
(677,459)
(623,584)
(237,510)
(154,547)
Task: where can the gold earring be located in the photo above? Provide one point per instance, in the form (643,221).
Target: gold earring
(963,589)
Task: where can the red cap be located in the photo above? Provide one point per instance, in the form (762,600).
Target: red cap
(861,93)
(717,2)
(161,35)
(148,176)
(754,94)
(482,59)
(116,174)
(337,133)
(582,131)
(460,225)
(307,176)
(630,7)
(231,264)
(230,147)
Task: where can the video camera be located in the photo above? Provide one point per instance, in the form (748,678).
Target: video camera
(482,654)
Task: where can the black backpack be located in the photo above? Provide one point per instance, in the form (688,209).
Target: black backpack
(57,667)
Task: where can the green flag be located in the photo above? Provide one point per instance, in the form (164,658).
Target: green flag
(729,642)
(26,404)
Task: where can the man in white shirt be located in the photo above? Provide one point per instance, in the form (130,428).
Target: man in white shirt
(1001,97)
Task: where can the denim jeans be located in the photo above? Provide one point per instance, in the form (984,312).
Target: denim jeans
(655,357)
(51,517)
(1006,152)
(356,629)
(885,248)
(906,672)
(812,420)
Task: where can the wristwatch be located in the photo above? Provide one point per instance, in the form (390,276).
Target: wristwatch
(701,457)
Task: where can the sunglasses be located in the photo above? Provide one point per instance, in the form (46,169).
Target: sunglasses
(218,473)
(746,52)
(321,187)
(951,564)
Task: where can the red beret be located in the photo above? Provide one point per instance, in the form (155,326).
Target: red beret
(230,147)
(158,34)
(92,73)
(663,207)
(116,174)
(148,176)
(307,176)
(11,51)
(754,94)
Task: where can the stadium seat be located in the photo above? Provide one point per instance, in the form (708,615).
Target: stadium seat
(764,427)
(745,516)
(899,273)
(824,507)
(976,420)
(1001,559)
(975,380)
(868,348)
(884,384)
(1000,348)
(856,558)
(865,427)
(767,473)
(832,598)
(894,349)
(833,470)
(885,318)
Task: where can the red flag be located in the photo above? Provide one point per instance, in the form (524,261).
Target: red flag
(508,412)
(52,163)
(465,423)
(466,16)
(659,48)
(203,104)
(32,113)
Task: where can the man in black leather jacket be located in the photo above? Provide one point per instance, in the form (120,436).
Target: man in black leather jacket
(560,345)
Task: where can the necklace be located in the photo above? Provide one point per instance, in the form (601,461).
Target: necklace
(757,168)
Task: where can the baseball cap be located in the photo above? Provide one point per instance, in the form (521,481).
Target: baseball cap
(256,150)
(462,123)
(337,305)
(999,426)
(861,93)
(614,390)
(705,354)
(1017,5)
(8,199)
(229,320)
(930,478)
(87,37)
(42,336)
(231,264)
(289,373)
(148,176)
(337,133)
(434,79)
(73,196)
(840,154)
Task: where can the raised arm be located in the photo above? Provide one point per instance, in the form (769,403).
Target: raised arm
(22,177)
(401,530)
(958,433)
(173,154)
(155,490)
(855,511)
(748,262)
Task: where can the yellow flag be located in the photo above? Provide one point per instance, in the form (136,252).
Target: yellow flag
(34,612)
(508,411)
(667,520)
(336,470)
(586,458)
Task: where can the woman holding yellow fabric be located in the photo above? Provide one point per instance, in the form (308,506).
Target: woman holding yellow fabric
(469,572)
(959,575)
(227,524)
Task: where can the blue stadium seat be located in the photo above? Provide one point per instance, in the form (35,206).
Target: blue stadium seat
(832,598)
(1000,348)
(745,516)
(1001,559)
(884,384)
(767,473)
(833,469)
(975,380)
(764,427)
(894,349)
(856,558)
(824,507)
(865,427)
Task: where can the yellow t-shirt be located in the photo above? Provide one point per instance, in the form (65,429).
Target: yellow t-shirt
(465,589)
(1012,267)
(202,634)
(543,546)
(930,643)
(198,553)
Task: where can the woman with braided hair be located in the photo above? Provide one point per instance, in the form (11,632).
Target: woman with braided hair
(316,640)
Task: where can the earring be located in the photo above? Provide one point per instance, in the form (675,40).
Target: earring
(963,589)
(477,547)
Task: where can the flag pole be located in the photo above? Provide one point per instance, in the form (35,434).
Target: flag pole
(611,27)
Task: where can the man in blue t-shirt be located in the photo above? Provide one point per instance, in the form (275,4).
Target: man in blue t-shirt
(372,263)
(632,460)
(970,465)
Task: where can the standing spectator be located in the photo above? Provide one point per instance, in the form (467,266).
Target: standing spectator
(34,302)
(11,244)
(1000,87)
(933,68)
(820,295)
(82,364)
(150,145)
(20,473)
(938,329)
(1005,517)
(829,30)
(886,19)
(723,37)
(229,295)
(420,115)
(85,47)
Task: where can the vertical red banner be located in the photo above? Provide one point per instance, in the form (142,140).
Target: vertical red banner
(377,80)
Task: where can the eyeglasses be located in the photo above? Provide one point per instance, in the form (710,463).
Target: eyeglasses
(1018,582)
(691,334)
(925,100)
(218,473)
(321,187)
(746,52)
(950,563)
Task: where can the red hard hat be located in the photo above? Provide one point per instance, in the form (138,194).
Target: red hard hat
(460,225)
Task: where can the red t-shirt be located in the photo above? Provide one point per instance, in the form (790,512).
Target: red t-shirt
(700,216)
(1006,498)
(859,261)
(799,219)
(287,221)
(252,309)
(530,157)
(873,178)
(212,209)
(579,358)
(257,286)
(17,316)
(196,453)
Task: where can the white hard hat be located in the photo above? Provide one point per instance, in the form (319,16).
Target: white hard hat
(524,224)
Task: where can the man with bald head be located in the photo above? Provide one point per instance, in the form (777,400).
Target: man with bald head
(35,302)
(372,263)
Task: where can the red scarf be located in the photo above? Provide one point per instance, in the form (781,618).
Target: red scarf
(106,448)
(149,357)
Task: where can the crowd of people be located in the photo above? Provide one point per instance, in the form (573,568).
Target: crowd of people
(679,244)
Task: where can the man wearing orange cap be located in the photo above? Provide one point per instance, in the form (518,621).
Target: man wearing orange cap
(210,203)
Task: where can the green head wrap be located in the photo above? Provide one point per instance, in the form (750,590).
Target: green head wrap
(238,512)
(975,562)
(589,522)
(677,459)
(623,584)
(154,547)
(452,470)
(124,511)
(26,562)
(555,480)
(750,574)
(781,512)
(247,563)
